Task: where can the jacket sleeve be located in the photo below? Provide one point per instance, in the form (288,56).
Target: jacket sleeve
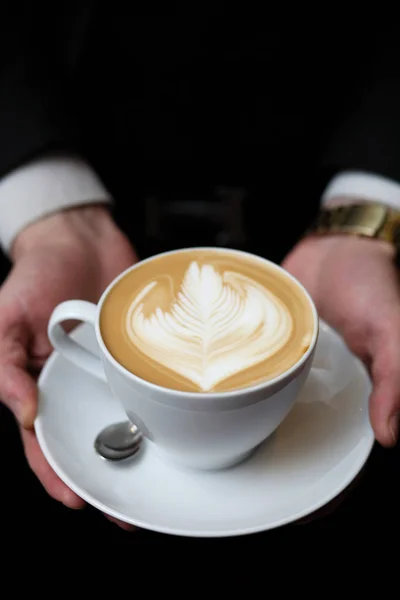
(42,169)
(366,135)
(36,112)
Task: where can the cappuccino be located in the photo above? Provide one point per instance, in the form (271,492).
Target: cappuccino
(206,320)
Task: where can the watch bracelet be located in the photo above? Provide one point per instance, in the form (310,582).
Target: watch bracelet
(372,220)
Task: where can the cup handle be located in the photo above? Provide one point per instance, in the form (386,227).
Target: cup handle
(77,310)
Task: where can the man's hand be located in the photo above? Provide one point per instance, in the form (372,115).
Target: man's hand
(74,254)
(355,286)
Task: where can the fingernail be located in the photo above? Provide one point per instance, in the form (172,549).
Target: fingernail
(127,527)
(25,415)
(71,500)
(394,426)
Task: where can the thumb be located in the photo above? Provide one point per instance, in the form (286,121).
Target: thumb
(385,398)
(18,390)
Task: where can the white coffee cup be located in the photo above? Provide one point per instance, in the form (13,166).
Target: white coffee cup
(196,430)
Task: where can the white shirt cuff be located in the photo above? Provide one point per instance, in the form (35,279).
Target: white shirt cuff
(366,187)
(42,187)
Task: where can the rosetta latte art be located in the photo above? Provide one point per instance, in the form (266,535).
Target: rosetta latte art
(217,326)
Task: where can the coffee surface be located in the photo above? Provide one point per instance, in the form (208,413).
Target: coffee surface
(206,321)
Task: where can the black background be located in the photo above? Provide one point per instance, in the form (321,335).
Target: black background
(276,105)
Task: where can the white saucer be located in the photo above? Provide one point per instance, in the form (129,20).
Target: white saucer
(311,458)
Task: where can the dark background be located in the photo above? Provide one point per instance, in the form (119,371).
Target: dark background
(172,108)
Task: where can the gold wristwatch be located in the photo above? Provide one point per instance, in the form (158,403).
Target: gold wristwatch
(367,219)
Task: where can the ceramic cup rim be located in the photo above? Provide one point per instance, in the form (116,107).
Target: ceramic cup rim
(209,396)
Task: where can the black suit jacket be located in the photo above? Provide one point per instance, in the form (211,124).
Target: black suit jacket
(200,93)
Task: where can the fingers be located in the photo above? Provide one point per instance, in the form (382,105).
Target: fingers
(19,393)
(385,398)
(121,524)
(17,389)
(48,478)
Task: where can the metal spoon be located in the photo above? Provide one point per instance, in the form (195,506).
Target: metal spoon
(118,441)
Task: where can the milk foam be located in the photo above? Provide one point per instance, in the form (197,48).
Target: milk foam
(219,324)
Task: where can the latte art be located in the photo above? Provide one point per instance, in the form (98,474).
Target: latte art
(206,320)
(218,325)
